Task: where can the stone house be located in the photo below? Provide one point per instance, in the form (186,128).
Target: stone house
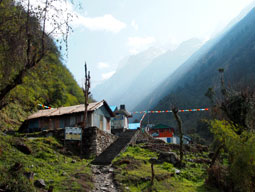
(120,121)
(99,115)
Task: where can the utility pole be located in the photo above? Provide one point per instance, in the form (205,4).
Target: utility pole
(86,100)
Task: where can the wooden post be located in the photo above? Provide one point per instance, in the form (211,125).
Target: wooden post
(175,111)
(152,161)
(152,174)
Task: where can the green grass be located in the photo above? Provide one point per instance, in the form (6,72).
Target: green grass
(133,173)
(47,161)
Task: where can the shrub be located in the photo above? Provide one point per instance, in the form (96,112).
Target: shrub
(241,154)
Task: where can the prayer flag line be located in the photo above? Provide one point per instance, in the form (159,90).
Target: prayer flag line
(44,106)
(170,111)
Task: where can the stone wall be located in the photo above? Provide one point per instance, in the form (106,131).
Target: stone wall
(144,137)
(96,141)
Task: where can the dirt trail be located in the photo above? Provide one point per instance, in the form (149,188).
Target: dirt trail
(103,179)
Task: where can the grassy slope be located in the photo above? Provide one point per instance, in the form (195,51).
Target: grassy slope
(49,83)
(46,161)
(133,173)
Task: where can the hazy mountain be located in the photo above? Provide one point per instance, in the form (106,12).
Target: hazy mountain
(138,75)
(157,71)
(234,51)
(129,68)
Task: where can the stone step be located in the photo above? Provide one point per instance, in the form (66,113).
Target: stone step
(106,157)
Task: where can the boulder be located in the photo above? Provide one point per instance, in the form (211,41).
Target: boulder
(169,157)
(40,183)
(29,175)
(177,171)
(16,167)
(73,161)
(64,173)
(23,148)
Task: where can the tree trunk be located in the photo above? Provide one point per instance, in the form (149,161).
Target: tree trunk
(32,58)
(179,122)
(216,154)
(17,81)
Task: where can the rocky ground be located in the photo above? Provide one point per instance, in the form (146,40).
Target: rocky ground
(103,179)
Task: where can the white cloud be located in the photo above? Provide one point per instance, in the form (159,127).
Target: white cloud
(103,23)
(62,8)
(102,65)
(137,44)
(134,25)
(107,75)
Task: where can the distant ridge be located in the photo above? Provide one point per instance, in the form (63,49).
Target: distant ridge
(234,51)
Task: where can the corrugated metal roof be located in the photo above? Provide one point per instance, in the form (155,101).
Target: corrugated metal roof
(65,110)
(161,126)
(124,112)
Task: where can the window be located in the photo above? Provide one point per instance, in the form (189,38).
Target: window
(72,121)
(101,122)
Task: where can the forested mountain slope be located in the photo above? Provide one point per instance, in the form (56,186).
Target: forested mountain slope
(234,51)
(49,82)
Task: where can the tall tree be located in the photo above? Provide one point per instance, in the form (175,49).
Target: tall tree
(25,39)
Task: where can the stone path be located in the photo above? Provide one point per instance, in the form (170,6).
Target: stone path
(103,179)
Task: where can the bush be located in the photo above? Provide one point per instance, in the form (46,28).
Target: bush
(241,154)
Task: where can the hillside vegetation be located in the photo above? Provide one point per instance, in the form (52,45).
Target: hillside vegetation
(45,159)
(233,51)
(133,172)
(49,82)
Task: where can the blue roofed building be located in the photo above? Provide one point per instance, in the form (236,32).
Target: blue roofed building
(133,125)
(114,108)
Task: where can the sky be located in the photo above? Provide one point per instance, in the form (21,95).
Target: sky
(106,31)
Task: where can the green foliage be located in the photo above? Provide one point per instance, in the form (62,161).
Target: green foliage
(195,174)
(241,150)
(133,170)
(167,166)
(138,152)
(49,83)
(47,161)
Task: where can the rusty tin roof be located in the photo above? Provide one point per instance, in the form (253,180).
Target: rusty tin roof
(69,110)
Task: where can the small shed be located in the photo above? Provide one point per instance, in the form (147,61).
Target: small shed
(99,115)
